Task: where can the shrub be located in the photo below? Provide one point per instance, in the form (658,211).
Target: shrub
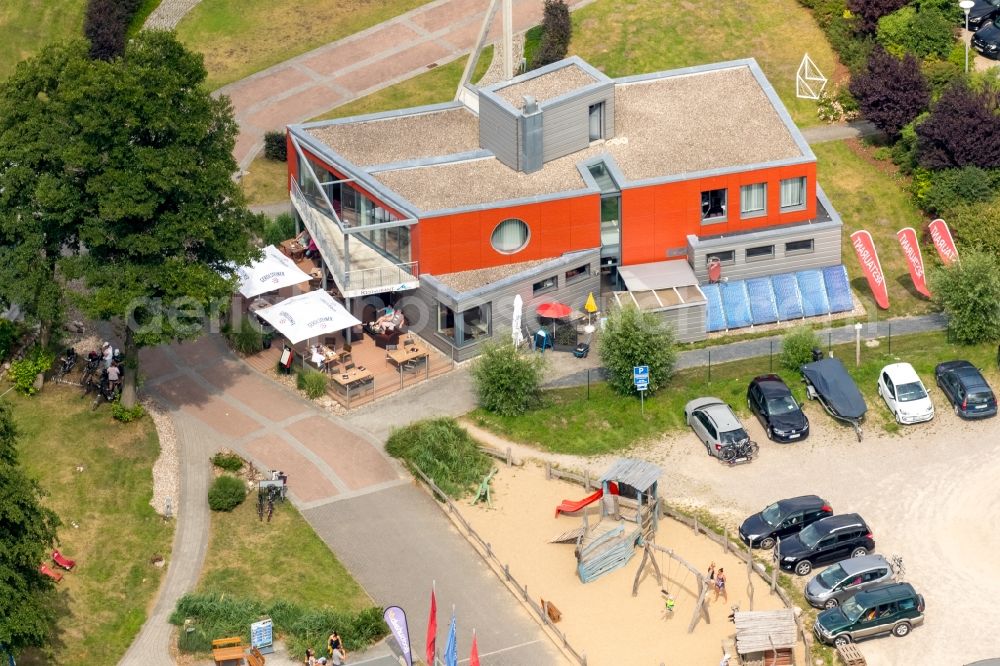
(8,336)
(797,346)
(926,33)
(632,338)
(276,146)
(949,188)
(852,48)
(217,615)
(557,29)
(106,24)
(24,371)
(127,414)
(444,451)
(904,151)
(868,12)
(890,92)
(247,339)
(940,74)
(969,293)
(977,225)
(313,383)
(963,129)
(228,461)
(279,229)
(226,493)
(507,381)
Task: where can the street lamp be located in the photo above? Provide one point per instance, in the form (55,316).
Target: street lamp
(966,5)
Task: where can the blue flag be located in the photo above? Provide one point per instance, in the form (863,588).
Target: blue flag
(451,651)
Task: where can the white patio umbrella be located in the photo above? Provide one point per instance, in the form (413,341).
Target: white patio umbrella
(307,316)
(272,272)
(515,322)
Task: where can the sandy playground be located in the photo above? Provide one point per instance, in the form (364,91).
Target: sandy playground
(602,618)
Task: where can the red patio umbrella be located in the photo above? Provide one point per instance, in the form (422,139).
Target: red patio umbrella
(553,311)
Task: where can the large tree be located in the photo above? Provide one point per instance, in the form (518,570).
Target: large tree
(27,532)
(41,183)
(890,92)
(630,338)
(963,129)
(140,156)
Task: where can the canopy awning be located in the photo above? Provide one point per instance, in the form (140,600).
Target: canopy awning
(308,316)
(658,275)
(272,272)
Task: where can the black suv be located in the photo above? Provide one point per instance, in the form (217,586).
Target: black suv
(828,540)
(983,12)
(966,389)
(986,41)
(772,403)
(783,519)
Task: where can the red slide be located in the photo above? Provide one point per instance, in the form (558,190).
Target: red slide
(569,506)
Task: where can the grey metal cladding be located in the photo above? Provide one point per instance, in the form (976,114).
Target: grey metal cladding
(826,237)
(689,323)
(566,121)
(498,130)
(532,143)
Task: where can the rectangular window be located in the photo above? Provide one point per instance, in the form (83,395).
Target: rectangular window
(799,247)
(577,273)
(446,321)
(793,193)
(475,324)
(596,121)
(759,253)
(725,257)
(548,284)
(713,206)
(753,200)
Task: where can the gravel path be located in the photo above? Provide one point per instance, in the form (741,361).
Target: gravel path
(166,470)
(169,13)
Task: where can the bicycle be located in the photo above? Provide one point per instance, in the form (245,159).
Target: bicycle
(745,450)
(93,362)
(67,363)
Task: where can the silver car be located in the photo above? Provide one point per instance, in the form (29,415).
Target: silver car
(715,424)
(843,580)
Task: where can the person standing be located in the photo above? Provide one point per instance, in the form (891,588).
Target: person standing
(107,354)
(711,572)
(720,584)
(334,644)
(310,657)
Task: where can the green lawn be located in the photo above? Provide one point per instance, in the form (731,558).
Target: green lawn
(108,526)
(869,198)
(240,37)
(265,181)
(604,423)
(283,559)
(651,35)
(27,25)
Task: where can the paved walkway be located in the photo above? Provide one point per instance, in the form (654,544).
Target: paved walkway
(855,129)
(398,49)
(386,530)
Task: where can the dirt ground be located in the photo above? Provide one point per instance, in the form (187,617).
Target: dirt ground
(601,617)
(928,494)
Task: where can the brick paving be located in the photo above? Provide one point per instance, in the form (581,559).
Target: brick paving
(324,78)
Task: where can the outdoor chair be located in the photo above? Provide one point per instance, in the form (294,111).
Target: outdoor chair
(348,366)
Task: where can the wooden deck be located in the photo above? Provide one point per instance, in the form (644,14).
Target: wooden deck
(388,379)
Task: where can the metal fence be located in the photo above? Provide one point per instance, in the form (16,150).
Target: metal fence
(500,568)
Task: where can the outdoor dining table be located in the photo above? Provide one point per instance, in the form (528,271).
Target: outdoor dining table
(406,353)
(349,378)
(223,656)
(293,249)
(328,356)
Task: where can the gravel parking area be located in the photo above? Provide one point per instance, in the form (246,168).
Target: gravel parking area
(926,493)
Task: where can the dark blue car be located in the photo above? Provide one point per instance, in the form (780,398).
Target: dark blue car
(966,389)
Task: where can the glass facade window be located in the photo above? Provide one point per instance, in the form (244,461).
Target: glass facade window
(475,324)
(510,236)
(446,321)
(542,286)
(596,121)
(793,193)
(610,222)
(753,200)
(713,206)
(577,273)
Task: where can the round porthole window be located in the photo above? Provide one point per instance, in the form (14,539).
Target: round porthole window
(510,236)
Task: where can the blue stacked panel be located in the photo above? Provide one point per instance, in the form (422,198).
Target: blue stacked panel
(786,296)
(813,291)
(716,316)
(736,303)
(762,306)
(838,289)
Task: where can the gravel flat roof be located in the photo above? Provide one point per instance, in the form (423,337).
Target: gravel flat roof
(400,138)
(546,86)
(469,280)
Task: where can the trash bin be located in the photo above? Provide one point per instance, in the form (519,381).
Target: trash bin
(817,354)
